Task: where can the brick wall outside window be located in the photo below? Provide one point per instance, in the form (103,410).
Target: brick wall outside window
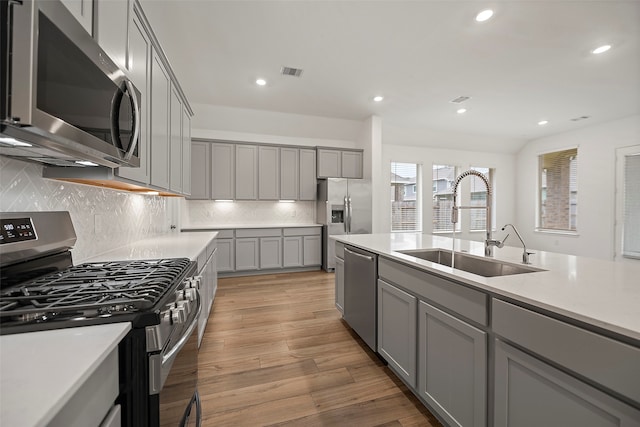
(558,190)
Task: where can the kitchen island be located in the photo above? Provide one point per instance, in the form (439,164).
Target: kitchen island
(560,345)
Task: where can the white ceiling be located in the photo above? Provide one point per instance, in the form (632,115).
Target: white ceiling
(530,62)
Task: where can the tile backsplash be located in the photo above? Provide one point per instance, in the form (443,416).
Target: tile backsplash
(103,218)
(203,213)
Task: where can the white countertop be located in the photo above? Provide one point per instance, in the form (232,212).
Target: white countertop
(602,293)
(170,245)
(40,371)
(237,226)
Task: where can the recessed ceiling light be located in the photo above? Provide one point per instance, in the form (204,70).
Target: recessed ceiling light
(601,49)
(484,15)
(378,98)
(461,111)
(261,82)
(543,122)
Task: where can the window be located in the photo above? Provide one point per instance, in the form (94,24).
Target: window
(558,197)
(442,178)
(405,203)
(479,198)
(628,202)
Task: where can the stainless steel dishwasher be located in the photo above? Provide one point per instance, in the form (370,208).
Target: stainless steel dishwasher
(360,303)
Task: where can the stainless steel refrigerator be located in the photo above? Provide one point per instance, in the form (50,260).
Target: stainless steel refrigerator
(344,207)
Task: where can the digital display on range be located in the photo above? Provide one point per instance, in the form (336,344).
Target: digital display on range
(16,230)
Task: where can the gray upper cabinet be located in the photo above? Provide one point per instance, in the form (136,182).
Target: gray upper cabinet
(160,120)
(139,62)
(329,163)
(529,392)
(246,172)
(200,170)
(336,163)
(223,171)
(397,326)
(175,146)
(289,173)
(186,152)
(452,367)
(82,10)
(268,173)
(351,164)
(308,182)
(112,18)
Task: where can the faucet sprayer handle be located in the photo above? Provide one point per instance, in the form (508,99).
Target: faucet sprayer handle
(504,240)
(454,214)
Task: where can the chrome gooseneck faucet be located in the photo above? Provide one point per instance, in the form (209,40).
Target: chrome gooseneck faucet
(489,243)
(525,254)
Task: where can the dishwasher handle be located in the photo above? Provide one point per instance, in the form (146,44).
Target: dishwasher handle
(368,258)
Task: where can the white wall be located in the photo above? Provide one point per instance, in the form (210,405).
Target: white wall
(241,124)
(596,187)
(102,218)
(504,188)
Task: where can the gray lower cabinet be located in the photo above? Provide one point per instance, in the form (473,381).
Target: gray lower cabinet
(292,249)
(247,254)
(339,280)
(529,392)
(452,367)
(312,250)
(270,252)
(397,320)
(226,255)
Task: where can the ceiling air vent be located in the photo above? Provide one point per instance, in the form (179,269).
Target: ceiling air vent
(460,99)
(577,119)
(290,71)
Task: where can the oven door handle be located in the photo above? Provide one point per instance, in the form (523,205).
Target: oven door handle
(168,358)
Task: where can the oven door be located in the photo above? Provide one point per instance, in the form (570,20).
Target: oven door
(179,400)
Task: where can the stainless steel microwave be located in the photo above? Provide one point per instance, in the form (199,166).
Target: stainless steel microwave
(64,101)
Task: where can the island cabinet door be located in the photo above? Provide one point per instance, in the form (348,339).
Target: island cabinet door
(452,367)
(397,325)
(529,392)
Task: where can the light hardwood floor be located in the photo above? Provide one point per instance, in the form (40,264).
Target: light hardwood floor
(276,352)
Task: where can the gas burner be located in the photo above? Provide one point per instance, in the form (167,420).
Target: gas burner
(92,290)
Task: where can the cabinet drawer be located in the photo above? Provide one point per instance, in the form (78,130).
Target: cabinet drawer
(467,302)
(224,234)
(302,231)
(611,363)
(259,232)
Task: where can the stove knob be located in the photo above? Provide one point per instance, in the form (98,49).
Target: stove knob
(178,315)
(195,282)
(186,305)
(190,294)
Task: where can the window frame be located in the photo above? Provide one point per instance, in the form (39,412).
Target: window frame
(618,247)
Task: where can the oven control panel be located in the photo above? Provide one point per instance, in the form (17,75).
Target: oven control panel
(16,230)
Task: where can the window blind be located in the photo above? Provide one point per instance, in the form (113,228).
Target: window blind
(442,178)
(558,197)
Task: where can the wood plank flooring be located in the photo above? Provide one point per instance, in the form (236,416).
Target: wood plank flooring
(277,353)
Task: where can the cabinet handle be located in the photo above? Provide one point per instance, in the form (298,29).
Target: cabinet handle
(368,258)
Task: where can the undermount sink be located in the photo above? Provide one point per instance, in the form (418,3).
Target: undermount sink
(470,263)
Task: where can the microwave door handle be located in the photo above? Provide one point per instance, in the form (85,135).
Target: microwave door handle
(115,117)
(136,120)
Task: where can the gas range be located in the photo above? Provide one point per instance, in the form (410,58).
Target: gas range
(94,293)
(41,289)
